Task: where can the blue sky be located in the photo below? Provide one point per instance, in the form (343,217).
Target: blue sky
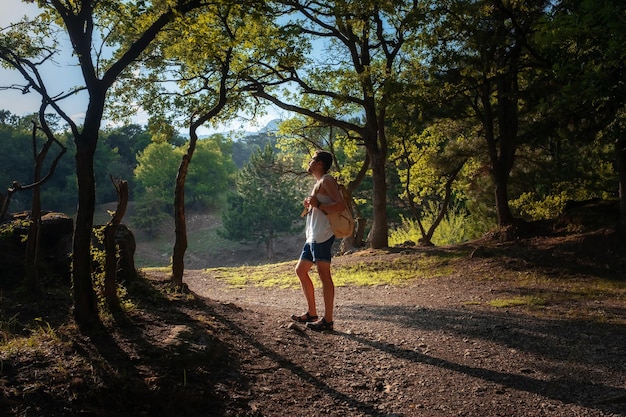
(64,74)
(58,77)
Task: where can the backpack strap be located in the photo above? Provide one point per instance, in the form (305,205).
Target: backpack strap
(319,184)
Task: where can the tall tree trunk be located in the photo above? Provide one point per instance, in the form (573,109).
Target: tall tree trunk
(620,158)
(85,302)
(378,236)
(501,146)
(508,128)
(180,224)
(34,228)
(503,211)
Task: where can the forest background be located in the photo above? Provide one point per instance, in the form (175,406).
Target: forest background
(453,116)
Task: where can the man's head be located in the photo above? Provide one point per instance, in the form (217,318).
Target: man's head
(325,157)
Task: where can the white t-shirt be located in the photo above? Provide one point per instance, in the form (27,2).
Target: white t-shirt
(318,228)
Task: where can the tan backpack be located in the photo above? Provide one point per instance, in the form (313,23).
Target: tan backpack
(342,222)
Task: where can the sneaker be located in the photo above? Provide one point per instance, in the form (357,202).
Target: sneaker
(306,319)
(321,325)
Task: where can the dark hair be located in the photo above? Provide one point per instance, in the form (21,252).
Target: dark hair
(324,156)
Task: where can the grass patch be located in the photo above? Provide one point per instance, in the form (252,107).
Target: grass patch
(559,289)
(16,337)
(399,271)
(158,268)
(271,275)
(199,240)
(528,301)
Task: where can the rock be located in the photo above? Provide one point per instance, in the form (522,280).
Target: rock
(295,327)
(55,247)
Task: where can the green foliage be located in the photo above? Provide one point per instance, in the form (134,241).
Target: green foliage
(116,156)
(265,202)
(299,137)
(98,257)
(549,207)
(210,175)
(425,161)
(16,163)
(543,183)
(151,211)
(458,226)
(564,61)
(156,170)
(211,172)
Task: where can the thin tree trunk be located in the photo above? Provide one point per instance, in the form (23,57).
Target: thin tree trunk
(500,179)
(498,159)
(180,224)
(620,158)
(34,229)
(111,257)
(32,242)
(444,205)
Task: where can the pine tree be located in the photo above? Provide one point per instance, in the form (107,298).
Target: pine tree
(265,204)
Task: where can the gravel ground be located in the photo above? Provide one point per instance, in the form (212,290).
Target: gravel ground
(432,348)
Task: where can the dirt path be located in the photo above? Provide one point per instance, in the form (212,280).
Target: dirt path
(430,349)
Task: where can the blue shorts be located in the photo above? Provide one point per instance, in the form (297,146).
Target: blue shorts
(317,251)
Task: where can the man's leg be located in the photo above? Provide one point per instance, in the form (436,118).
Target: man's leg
(328,289)
(302,271)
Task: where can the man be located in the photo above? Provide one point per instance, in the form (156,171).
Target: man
(325,198)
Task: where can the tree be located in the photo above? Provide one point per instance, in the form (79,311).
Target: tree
(213,172)
(483,58)
(354,76)
(39,154)
(155,175)
(15,158)
(265,203)
(194,75)
(245,146)
(156,172)
(125,143)
(585,42)
(428,166)
(83,20)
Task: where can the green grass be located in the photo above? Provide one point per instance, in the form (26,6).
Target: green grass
(583,297)
(271,275)
(201,242)
(400,271)
(201,239)
(15,336)
(528,301)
